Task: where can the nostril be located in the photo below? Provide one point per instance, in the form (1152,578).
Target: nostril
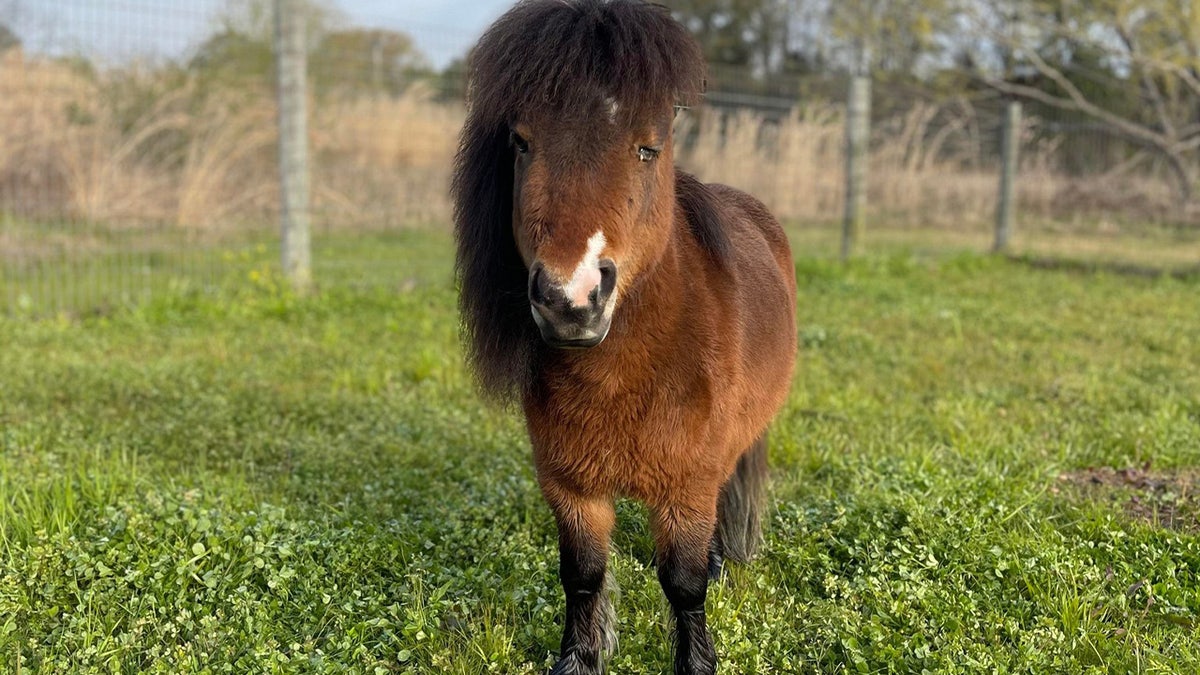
(608,277)
(537,284)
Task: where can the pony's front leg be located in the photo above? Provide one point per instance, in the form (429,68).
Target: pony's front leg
(683,538)
(584,527)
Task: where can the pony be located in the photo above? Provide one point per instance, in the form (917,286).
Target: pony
(644,321)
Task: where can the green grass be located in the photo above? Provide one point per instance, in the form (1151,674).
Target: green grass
(243,481)
(59,270)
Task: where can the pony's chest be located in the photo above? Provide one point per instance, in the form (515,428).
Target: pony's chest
(592,427)
(619,442)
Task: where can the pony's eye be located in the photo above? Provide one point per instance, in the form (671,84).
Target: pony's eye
(647,153)
(518,141)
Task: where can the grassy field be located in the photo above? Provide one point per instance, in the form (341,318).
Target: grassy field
(983,467)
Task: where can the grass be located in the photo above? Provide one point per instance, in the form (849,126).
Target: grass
(72,273)
(238,480)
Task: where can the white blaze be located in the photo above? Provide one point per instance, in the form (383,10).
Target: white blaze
(587,273)
(613,107)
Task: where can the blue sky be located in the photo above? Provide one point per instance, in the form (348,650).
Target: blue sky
(119,29)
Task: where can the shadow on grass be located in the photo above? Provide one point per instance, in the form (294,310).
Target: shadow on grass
(1186,273)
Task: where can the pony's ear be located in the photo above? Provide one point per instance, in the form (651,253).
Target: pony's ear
(499,332)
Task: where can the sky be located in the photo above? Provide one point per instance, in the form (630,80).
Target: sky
(122,29)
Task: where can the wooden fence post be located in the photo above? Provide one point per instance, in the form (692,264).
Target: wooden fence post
(291,69)
(858,134)
(1009,151)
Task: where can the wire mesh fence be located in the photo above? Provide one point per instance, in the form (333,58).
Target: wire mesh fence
(139,151)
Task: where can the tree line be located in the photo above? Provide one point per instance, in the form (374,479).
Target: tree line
(1126,68)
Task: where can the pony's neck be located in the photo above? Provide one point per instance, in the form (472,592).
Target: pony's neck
(654,309)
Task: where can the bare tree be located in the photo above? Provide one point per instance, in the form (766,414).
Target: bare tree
(856,35)
(886,35)
(1131,67)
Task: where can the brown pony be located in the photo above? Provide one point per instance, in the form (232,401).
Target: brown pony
(645,321)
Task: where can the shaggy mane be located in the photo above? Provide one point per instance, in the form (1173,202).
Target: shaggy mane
(560,57)
(563,54)
(702,208)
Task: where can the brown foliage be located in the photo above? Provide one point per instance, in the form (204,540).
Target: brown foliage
(204,159)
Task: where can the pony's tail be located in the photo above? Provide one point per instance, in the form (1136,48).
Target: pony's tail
(741,505)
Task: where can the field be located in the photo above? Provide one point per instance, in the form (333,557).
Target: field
(983,467)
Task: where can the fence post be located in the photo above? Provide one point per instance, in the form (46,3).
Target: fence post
(291,69)
(858,133)
(1010,144)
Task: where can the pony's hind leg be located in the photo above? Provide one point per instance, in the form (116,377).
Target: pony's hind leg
(684,540)
(584,528)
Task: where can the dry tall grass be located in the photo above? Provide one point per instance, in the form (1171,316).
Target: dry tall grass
(206,161)
(930,167)
(793,165)
(67,155)
(203,160)
(385,161)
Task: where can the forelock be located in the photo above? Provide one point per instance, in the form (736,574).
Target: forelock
(562,56)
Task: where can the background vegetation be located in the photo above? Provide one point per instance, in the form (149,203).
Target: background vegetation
(189,144)
(985,464)
(974,472)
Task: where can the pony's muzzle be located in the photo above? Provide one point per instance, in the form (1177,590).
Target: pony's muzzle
(576,314)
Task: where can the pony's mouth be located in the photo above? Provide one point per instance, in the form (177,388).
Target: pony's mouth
(581,344)
(571,335)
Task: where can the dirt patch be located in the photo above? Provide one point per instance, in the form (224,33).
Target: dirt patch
(1162,498)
